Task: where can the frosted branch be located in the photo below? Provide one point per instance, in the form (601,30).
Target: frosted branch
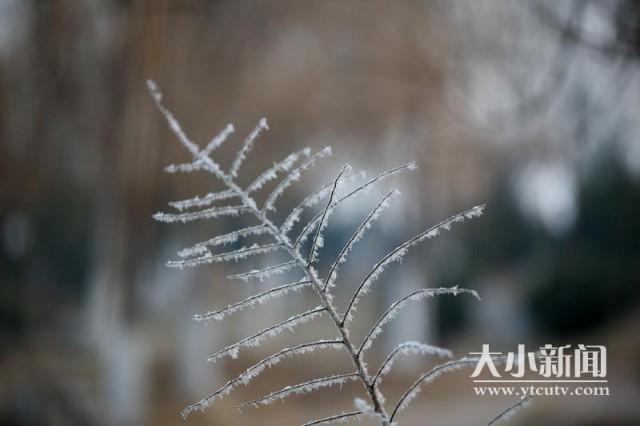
(173,123)
(234,255)
(184,167)
(338,418)
(397,306)
(231,237)
(310,201)
(203,201)
(246,147)
(310,226)
(405,349)
(292,177)
(192,147)
(306,387)
(279,167)
(218,140)
(399,252)
(210,213)
(357,236)
(264,273)
(255,370)
(252,301)
(430,376)
(511,411)
(318,238)
(255,339)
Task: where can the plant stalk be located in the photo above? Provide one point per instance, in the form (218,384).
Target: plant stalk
(317,284)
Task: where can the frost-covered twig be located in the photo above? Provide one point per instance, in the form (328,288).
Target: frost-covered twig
(310,226)
(203,201)
(414,390)
(264,273)
(292,177)
(211,213)
(246,147)
(428,377)
(407,348)
(309,201)
(258,368)
(218,140)
(511,411)
(306,387)
(194,166)
(399,252)
(234,255)
(252,301)
(338,418)
(281,166)
(357,236)
(173,123)
(274,330)
(318,239)
(396,306)
(231,237)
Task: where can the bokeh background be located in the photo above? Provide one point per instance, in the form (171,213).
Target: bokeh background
(532,107)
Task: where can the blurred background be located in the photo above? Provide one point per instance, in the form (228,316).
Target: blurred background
(532,107)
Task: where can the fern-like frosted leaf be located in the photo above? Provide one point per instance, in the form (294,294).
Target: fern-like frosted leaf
(405,349)
(258,368)
(318,238)
(252,301)
(262,335)
(210,213)
(310,226)
(281,166)
(218,140)
(399,252)
(397,306)
(306,387)
(203,201)
(234,255)
(511,411)
(292,177)
(264,273)
(357,236)
(338,418)
(202,247)
(204,207)
(246,147)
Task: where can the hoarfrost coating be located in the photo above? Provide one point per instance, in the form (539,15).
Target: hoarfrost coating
(344,187)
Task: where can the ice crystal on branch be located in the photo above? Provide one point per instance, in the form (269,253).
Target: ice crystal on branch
(306,387)
(262,335)
(253,300)
(407,348)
